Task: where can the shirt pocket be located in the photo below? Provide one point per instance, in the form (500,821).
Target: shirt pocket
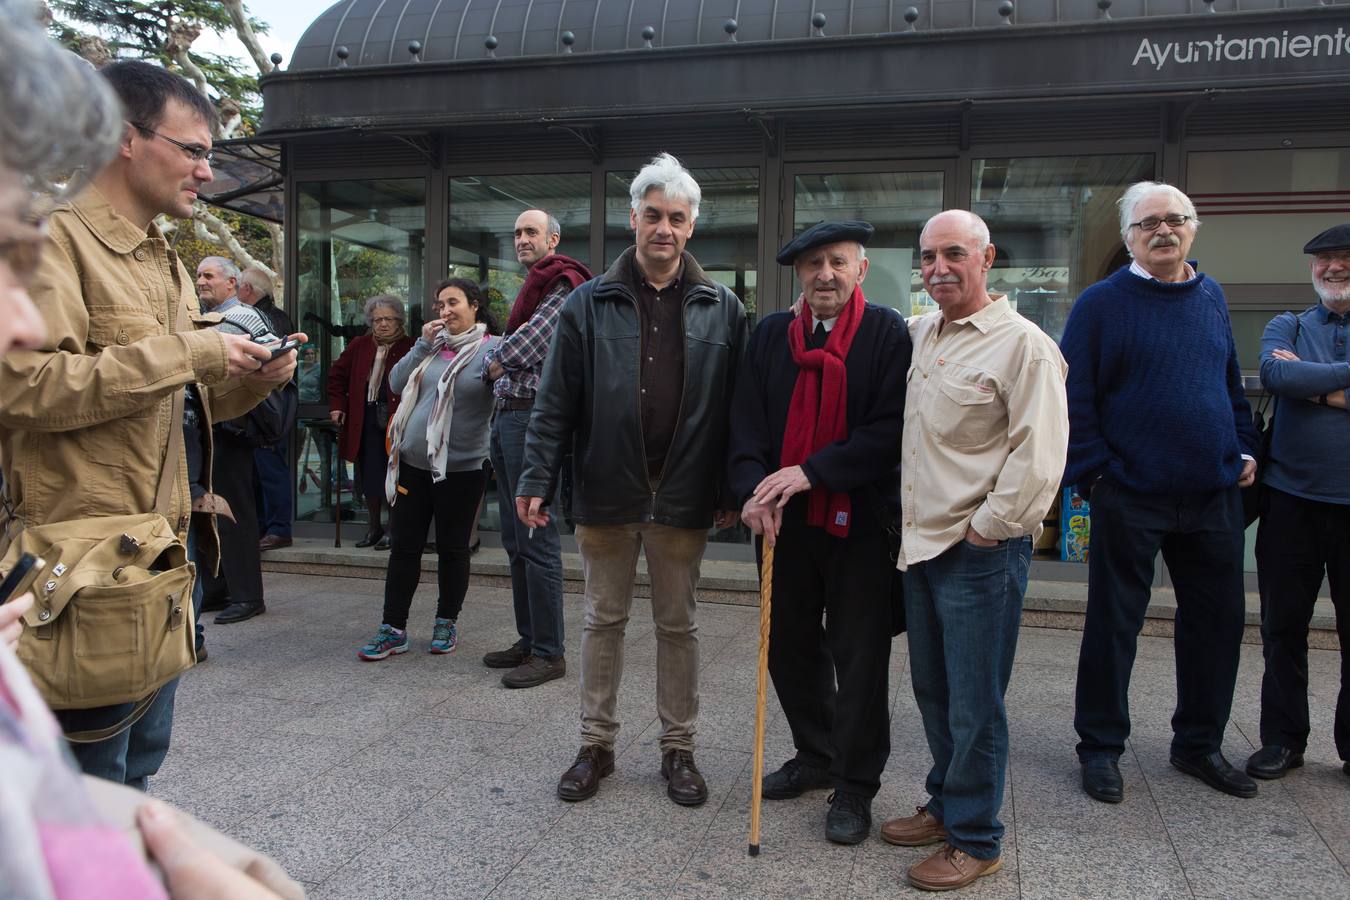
(966,411)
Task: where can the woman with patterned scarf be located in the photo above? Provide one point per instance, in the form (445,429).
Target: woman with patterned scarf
(438,440)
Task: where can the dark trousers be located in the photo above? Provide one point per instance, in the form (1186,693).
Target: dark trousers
(272,490)
(1200,536)
(1297,541)
(240,561)
(452,503)
(831,677)
(535,554)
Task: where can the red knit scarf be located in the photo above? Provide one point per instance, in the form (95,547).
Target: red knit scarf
(543,275)
(818,414)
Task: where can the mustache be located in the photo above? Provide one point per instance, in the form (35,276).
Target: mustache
(944,279)
(1164,240)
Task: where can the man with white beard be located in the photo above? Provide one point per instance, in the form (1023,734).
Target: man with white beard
(1305,525)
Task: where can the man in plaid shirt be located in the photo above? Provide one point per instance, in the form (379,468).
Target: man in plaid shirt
(514,366)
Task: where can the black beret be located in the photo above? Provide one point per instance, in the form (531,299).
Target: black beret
(1337,237)
(823,233)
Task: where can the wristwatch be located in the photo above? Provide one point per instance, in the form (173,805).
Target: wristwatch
(1322,399)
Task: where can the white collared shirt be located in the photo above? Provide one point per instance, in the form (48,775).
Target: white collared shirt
(986,430)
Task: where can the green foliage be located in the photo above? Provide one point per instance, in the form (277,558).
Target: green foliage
(141,30)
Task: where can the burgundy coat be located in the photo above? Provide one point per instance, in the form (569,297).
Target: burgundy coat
(347,379)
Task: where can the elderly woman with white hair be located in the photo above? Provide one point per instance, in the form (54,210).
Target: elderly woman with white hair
(359,400)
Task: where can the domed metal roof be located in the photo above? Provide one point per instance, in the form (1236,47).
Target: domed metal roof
(384,32)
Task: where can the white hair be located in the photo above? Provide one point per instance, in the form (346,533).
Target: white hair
(59,121)
(666,174)
(256,278)
(383,301)
(974,224)
(1141,191)
(226,267)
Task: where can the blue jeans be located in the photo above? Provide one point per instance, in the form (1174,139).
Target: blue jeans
(536,562)
(132,756)
(272,480)
(963,609)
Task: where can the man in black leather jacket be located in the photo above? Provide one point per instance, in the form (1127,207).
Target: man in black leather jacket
(638,384)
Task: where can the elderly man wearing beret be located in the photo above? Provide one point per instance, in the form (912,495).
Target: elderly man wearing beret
(1305,525)
(815,442)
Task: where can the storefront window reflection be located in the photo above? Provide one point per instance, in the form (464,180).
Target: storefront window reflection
(896,204)
(1258,208)
(356,239)
(483,211)
(1055,225)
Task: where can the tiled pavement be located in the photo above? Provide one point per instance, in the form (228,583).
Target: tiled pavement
(421,776)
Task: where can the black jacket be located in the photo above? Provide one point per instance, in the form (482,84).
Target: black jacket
(864,463)
(588,403)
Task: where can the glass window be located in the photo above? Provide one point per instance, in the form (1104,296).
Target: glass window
(483,211)
(896,204)
(356,239)
(726,234)
(1055,226)
(1258,209)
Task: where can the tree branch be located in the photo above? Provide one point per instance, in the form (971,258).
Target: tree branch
(246,35)
(222,233)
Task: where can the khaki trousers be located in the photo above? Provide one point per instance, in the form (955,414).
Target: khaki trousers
(609,556)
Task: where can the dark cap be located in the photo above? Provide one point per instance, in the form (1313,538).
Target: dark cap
(1337,237)
(823,233)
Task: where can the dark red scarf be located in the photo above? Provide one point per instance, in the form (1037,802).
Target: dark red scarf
(818,414)
(543,275)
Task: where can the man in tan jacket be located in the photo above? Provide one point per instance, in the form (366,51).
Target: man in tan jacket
(85,418)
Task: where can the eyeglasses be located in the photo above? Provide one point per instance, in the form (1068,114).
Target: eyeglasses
(378,319)
(1151,223)
(195,151)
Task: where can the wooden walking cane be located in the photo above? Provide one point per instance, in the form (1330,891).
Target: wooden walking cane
(761,697)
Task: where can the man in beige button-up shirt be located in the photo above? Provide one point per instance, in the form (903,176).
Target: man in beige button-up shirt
(986,431)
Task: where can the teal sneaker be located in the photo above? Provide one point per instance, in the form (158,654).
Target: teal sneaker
(444,637)
(385,642)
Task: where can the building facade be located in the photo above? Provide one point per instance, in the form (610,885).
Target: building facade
(406,135)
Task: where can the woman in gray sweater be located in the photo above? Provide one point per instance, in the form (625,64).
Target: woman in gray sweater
(438,440)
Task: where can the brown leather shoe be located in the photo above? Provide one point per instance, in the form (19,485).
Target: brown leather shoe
(918,830)
(949,869)
(274,542)
(687,786)
(582,780)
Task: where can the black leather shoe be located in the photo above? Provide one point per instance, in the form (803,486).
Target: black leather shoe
(792,780)
(239,612)
(506,659)
(686,787)
(849,820)
(215,604)
(382,544)
(1216,772)
(1273,761)
(582,780)
(1101,779)
(373,537)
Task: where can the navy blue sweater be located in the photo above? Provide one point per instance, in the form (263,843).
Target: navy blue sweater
(1155,393)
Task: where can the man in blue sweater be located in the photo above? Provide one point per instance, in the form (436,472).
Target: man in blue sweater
(1305,526)
(1161,435)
